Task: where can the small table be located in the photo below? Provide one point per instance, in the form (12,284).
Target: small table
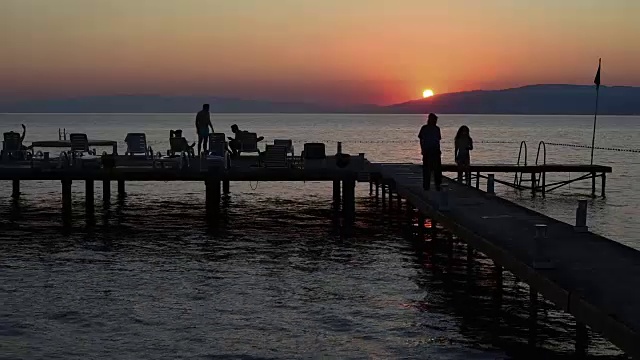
(67,144)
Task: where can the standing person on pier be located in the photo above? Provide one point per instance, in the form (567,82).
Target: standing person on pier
(463,146)
(203,123)
(430,145)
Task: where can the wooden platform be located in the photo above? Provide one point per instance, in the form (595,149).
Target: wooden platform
(595,279)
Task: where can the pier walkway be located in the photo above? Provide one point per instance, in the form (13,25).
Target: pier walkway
(595,279)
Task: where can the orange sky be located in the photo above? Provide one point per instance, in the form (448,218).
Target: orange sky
(333,51)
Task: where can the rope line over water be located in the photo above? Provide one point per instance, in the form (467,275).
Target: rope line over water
(480,142)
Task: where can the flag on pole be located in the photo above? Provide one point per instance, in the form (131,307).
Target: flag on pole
(597,79)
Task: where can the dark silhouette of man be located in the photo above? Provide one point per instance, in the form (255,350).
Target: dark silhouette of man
(203,123)
(431,156)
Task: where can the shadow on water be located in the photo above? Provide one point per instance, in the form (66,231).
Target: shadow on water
(270,273)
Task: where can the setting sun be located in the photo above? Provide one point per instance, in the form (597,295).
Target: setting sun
(427,93)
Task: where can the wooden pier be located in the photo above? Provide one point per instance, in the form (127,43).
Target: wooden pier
(591,277)
(216,179)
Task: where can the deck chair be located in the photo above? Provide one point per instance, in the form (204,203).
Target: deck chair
(12,146)
(80,152)
(275,156)
(80,145)
(179,145)
(218,151)
(137,144)
(288,144)
(249,143)
(314,155)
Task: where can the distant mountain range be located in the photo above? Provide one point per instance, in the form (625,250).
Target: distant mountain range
(534,99)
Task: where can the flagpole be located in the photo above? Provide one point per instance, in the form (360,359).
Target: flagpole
(595,117)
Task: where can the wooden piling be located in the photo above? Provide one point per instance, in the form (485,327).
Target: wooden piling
(478,180)
(212,189)
(15,193)
(582,340)
(533,184)
(225,187)
(89,196)
(106,192)
(349,199)
(377,190)
(390,198)
(593,184)
(421,229)
(336,195)
(543,188)
(121,189)
(384,194)
(533,316)
(370,188)
(604,184)
(66,202)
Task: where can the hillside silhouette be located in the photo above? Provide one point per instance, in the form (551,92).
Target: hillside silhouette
(534,99)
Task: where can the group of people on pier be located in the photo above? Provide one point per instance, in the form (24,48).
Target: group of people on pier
(430,137)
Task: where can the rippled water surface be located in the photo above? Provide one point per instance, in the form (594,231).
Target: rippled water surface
(275,275)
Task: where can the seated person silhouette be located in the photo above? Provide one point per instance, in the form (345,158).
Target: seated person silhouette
(179,143)
(235,144)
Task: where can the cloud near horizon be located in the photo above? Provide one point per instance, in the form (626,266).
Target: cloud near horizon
(335,51)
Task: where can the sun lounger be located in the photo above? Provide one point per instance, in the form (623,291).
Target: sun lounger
(288,144)
(218,151)
(249,143)
(275,156)
(80,151)
(12,147)
(137,145)
(314,155)
(179,145)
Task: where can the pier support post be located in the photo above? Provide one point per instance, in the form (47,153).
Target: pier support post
(478,180)
(491,184)
(336,195)
(390,198)
(121,190)
(581,217)
(106,192)
(370,188)
(604,184)
(89,197)
(349,199)
(541,259)
(377,190)
(497,272)
(212,189)
(15,193)
(533,184)
(225,187)
(470,260)
(593,184)
(66,202)
(582,340)
(409,219)
(533,316)
(443,204)
(384,194)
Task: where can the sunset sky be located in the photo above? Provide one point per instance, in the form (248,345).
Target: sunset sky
(329,51)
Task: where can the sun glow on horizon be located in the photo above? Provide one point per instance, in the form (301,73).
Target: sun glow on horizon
(427,93)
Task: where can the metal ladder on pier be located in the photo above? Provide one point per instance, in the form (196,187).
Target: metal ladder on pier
(542,175)
(517,178)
